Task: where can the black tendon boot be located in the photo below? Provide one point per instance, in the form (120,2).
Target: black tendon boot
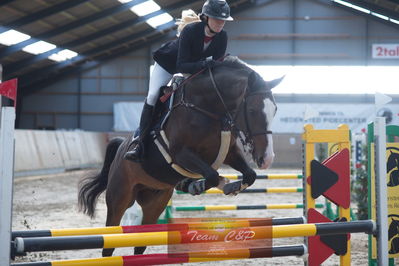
(137,154)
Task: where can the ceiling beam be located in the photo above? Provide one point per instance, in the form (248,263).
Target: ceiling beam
(29,88)
(354,11)
(5,2)
(48,70)
(16,66)
(394,1)
(375,8)
(70,26)
(30,78)
(41,14)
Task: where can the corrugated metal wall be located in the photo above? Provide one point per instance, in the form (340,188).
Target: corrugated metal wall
(305,32)
(86,101)
(284,32)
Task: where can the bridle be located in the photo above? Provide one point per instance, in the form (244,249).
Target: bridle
(228,119)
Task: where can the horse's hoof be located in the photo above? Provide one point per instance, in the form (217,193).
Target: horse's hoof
(234,188)
(222,182)
(197,187)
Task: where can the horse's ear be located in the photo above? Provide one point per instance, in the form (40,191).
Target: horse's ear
(273,83)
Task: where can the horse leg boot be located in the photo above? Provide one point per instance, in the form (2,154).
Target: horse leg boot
(237,162)
(137,154)
(189,160)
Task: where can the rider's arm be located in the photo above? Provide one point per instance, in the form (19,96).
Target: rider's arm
(183,64)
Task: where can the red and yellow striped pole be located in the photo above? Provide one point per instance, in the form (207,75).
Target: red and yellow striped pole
(255,190)
(200,256)
(192,236)
(189,224)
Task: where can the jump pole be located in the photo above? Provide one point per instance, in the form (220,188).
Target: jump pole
(242,207)
(271,176)
(158,227)
(162,259)
(254,190)
(6,170)
(381,191)
(184,237)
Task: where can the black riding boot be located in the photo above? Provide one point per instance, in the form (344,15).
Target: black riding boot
(137,154)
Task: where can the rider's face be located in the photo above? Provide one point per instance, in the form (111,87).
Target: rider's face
(216,24)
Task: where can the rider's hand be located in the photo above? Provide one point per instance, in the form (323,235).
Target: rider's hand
(209,63)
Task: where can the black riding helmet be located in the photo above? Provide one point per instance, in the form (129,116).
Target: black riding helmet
(218,9)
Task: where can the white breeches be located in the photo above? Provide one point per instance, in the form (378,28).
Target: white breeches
(159,77)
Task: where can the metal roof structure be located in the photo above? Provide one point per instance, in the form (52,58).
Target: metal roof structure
(102,30)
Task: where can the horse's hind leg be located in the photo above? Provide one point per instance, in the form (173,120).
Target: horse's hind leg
(153,203)
(118,198)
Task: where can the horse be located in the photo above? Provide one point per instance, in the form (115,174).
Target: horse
(392,163)
(231,97)
(393,234)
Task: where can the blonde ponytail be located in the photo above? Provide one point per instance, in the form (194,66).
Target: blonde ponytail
(187,16)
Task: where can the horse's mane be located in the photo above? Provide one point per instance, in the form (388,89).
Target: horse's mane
(256,82)
(235,62)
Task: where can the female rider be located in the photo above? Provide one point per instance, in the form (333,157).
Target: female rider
(198,46)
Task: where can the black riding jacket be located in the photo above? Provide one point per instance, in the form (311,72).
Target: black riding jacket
(185,54)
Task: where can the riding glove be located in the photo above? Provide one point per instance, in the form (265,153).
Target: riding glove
(209,63)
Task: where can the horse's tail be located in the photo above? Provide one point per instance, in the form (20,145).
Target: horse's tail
(91,187)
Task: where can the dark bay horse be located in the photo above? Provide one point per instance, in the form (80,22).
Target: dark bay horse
(392,163)
(230,96)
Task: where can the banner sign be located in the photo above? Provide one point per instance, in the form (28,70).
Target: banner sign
(325,116)
(328,116)
(385,51)
(392,183)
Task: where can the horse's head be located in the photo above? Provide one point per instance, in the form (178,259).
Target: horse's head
(393,227)
(257,115)
(392,161)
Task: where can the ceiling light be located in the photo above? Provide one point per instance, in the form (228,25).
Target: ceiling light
(380,16)
(63,55)
(12,37)
(394,20)
(159,20)
(39,47)
(145,8)
(361,9)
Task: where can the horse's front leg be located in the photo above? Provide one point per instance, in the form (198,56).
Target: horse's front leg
(235,160)
(192,162)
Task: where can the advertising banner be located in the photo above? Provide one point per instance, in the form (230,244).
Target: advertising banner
(290,116)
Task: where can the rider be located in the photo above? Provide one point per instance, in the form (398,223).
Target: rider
(198,45)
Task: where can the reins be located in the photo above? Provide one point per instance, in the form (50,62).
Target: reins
(231,121)
(167,95)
